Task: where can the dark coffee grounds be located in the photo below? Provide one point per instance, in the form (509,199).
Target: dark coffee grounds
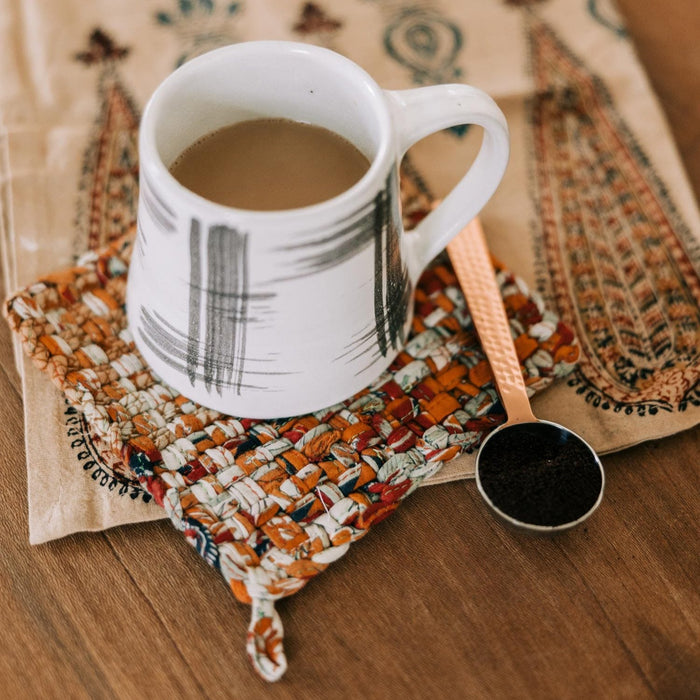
(539,474)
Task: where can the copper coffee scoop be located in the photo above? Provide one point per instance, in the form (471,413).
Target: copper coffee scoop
(535,474)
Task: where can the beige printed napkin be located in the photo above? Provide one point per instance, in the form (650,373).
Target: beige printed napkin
(594,212)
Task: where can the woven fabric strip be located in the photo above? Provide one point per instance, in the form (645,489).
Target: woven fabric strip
(272,503)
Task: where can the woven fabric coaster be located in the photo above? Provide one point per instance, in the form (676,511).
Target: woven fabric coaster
(272,503)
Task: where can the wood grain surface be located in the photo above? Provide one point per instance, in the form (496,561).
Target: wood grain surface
(440,601)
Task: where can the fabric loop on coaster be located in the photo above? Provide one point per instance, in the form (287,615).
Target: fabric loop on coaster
(264,642)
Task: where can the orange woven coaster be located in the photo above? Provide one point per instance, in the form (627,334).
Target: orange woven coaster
(273,503)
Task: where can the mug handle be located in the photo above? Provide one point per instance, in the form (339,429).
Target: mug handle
(421,111)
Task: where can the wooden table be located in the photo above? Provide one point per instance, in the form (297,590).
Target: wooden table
(439,602)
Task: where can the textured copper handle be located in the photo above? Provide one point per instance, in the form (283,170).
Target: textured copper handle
(472,265)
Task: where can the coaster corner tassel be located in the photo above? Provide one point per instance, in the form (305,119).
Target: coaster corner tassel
(264,642)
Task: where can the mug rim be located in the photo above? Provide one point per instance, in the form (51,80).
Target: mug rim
(365,187)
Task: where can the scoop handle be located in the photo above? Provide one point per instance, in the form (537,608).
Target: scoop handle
(472,265)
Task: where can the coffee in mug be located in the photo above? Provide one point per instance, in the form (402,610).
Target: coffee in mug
(270,164)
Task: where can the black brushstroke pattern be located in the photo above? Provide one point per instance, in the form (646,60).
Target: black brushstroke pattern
(194,302)
(226,250)
(163,205)
(381,211)
(221,295)
(352,235)
(392,287)
(374,224)
(347,224)
(354,347)
(180,367)
(332,250)
(239,351)
(179,342)
(161,214)
(394,312)
(141,241)
(172,346)
(213,349)
(362,236)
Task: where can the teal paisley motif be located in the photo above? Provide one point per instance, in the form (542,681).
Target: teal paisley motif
(605,13)
(428,44)
(203,25)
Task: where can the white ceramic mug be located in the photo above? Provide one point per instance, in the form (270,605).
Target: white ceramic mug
(277,313)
